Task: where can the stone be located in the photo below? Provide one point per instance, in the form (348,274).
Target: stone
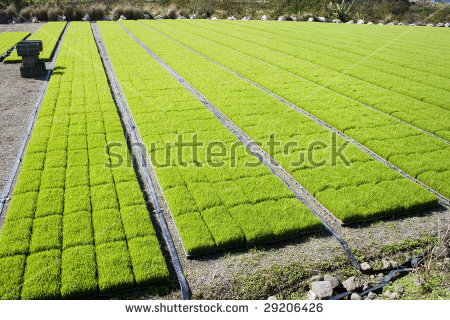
(321,19)
(61,18)
(400,24)
(430,25)
(181,17)
(350,22)
(311,295)
(158,17)
(294,18)
(360,21)
(391,24)
(380,277)
(272,298)
(193,16)
(34,20)
(372,295)
(336,21)
(386,263)
(394,296)
(334,281)
(365,286)
(412,25)
(351,284)
(380,23)
(399,289)
(264,18)
(122,17)
(214,18)
(370,22)
(146,16)
(393,263)
(86,18)
(315,278)
(446,25)
(108,18)
(365,266)
(322,289)
(232,18)
(387,294)
(310,19)
(355,296)
(281,18)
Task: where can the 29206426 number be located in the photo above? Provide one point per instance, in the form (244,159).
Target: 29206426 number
(293,307)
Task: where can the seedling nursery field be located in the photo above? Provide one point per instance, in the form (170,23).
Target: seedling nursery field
(159,144)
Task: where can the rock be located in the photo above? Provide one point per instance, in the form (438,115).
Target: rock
(322,289)
(311,296)
(334,281)
(15,20)
(372,295)
(232,18)
(447,25)
(61,18)
(393,263)
(321,19)
(281,18)
(351,284)
(411,25)
(86,18)
(360,21)
(122,17)
(107,18)
(386,263)
(272,298)
(264,18)
(380,277)
(310,19)
(387,294)
(441,252)
(394,296)
(399,289)
(365,266)
(355,296)
(400,24)
(34,20)
(365,286)
(430,25)
(370,22)
(158,17)
(372,277)
(315,278)
(180,17)
(440,24)
(214,18)
(294,18)
(336,21)
(380,23)
(391,24)
(146,16)
(350,22)
(193,16)
(246,18)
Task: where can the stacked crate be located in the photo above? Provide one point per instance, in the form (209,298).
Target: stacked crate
(31,65)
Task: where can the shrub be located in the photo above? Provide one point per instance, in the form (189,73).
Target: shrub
(26,13)
(79,14)
(69,12)
(172,12)
(97,11)
(11,12)
(41,13)
(53,13)
(117,12)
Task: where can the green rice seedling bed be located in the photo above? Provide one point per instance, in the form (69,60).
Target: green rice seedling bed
(353,189)
(76,226)
(217,202)
(49,34)
(289,57)
(9,39)
(420,155)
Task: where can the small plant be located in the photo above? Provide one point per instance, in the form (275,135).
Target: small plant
(340,10)
(53,13)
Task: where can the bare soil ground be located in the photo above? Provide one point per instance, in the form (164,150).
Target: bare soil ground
(17,99)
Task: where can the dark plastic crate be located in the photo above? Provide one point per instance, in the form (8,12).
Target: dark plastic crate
(29,48)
